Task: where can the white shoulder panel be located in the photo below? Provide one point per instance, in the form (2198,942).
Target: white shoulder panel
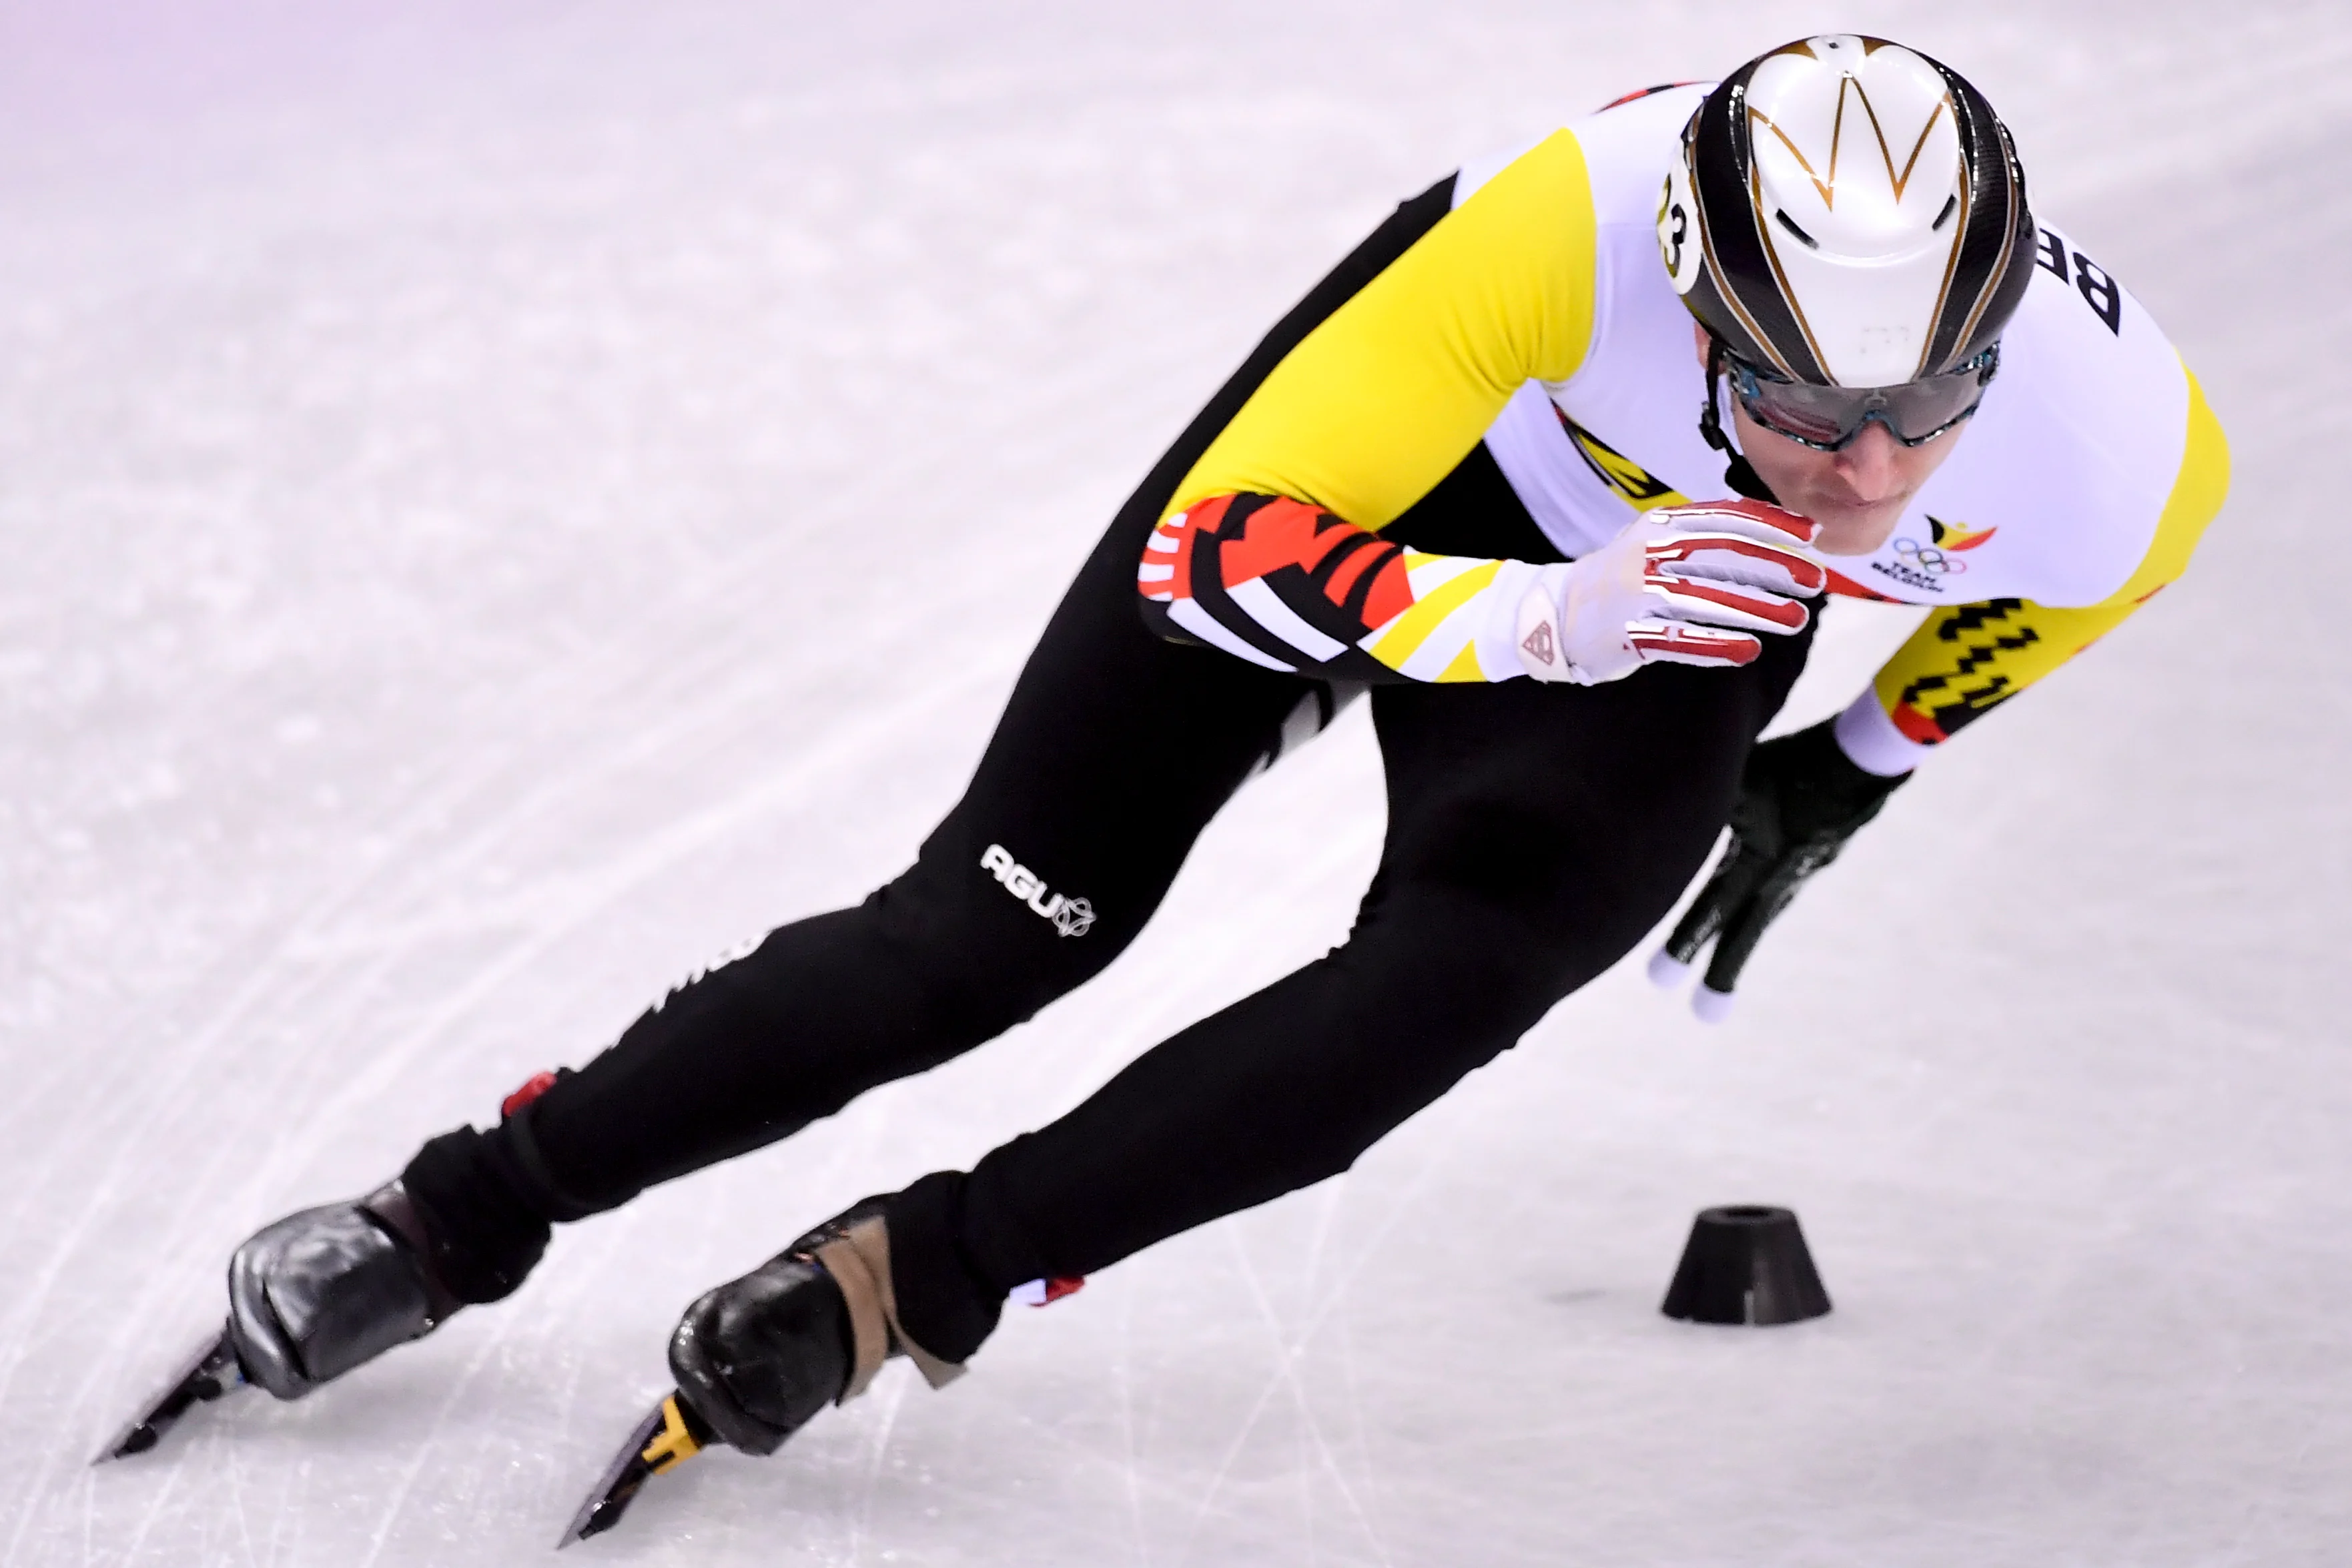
(2058,483)
(1639,389)
(1626,150)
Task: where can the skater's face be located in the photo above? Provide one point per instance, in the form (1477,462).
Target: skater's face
(1855,493)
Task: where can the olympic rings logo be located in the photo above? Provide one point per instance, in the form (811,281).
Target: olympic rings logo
(1928,557)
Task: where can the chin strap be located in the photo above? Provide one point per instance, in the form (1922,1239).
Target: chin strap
(1746,481)
(1737,474)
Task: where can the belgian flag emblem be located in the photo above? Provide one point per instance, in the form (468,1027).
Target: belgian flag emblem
(1957,536)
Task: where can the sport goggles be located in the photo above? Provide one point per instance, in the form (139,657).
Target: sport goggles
(1827,419)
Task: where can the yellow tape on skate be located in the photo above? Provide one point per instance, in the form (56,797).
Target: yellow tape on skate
(673,1442)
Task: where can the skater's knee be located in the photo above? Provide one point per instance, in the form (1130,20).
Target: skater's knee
(1495,939)
(984,946)
(965,998)
(1480,966)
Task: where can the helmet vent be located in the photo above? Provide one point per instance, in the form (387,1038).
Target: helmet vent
(1951,205)
(1782,216)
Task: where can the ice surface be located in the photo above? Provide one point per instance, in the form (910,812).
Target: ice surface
(501,502)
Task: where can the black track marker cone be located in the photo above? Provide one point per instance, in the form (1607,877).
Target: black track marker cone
(1746,1264)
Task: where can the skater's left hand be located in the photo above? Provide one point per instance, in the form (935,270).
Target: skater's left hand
(1800,799)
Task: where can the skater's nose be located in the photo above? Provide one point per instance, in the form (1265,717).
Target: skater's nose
(1867,465)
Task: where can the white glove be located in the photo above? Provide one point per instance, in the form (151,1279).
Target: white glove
(1665,589)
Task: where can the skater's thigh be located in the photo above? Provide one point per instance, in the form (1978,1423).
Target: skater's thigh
(1114,751)
(1550,826)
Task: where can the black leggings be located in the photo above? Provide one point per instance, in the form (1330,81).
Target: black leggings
(1534,833)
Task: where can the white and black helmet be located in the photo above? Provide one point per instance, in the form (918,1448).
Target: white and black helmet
(1848,212)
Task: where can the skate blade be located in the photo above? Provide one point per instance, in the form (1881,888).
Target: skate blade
(208,1371)
(670,1434)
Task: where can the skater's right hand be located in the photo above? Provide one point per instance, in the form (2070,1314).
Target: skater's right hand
(1681,585)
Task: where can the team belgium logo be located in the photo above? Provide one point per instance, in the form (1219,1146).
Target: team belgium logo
(1944,555)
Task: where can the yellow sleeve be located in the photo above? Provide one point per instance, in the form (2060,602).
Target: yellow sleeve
(1383,399)
(1967,658)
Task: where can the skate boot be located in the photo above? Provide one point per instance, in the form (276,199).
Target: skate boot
(320,1292)
(758,1357)
(323,1290)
